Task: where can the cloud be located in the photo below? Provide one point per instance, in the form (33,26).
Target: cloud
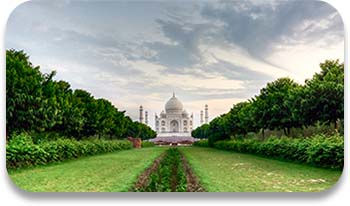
(181,49)
(216,52)
(258,26)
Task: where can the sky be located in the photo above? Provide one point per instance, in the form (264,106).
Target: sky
(208,52)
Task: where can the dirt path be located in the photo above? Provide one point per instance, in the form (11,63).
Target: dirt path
(193,184)
(143,179)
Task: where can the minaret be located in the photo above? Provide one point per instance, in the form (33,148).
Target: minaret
(146,117)
(141,114)
(155,122)
(206,114)
(201,117)
(191,122)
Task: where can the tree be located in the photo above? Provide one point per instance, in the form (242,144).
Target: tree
(37,103)
(87,103)
(25,107)
(217,129)
(260,114)
(72,120)
(120,127)
(201,132)
(275,102)
(247,122)
(324,94)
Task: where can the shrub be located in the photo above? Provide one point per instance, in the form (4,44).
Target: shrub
(22,152)
(318,150)
(327,152)
(147,144)
(201,143)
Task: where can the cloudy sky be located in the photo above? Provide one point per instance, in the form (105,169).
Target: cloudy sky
(208,52)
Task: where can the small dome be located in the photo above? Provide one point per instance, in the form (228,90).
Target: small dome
(173,105)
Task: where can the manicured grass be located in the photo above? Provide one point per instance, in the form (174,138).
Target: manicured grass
(219,171)
(103,173)
(223,171)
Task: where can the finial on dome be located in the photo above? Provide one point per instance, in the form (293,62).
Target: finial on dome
(173,94)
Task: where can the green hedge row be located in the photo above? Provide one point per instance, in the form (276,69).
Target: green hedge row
(317,151)
(202,143)
(147,144)
(22,152)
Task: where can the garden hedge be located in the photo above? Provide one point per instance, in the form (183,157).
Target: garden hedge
(318,150)
(147,144)
(22,152)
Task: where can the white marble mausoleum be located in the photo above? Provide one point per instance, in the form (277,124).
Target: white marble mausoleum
(174,121)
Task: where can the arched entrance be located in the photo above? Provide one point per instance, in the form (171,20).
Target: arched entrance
(174,126)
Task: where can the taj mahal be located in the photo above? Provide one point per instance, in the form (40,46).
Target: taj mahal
(175,119)
(174,124)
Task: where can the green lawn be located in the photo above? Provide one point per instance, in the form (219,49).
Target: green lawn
(219,171)
(103,173)
(223,171)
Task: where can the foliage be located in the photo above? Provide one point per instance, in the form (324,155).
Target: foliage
(22,152)
(25,108)
(317,151)
(37,103)
(284,105)
(201,132)
(218,130)
(324,94)
(306,132)
(170,175)
(137,129)
(201,143)
(277,110)
(147,144)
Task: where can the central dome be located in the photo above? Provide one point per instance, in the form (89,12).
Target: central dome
(173,105)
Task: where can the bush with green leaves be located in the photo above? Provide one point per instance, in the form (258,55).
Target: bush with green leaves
(318,150)
(21,151)
(201,143)
(147,144)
